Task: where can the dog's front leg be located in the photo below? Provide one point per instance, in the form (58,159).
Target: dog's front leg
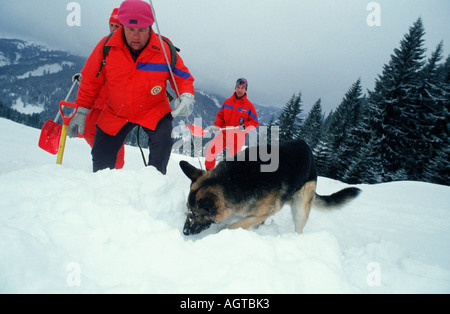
(223,215)
(247,222)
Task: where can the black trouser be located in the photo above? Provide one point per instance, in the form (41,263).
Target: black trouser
(105,149)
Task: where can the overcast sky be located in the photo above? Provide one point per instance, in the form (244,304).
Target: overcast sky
(317,47)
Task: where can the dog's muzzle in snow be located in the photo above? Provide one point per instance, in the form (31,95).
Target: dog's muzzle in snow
(195,223)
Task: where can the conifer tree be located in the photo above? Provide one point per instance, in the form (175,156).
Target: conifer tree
(311,129)
(393,106)
(437,169)
(323,158)
(289,119)
(270,125)
(431,118)
(364,164)
(335,140)
(323,152)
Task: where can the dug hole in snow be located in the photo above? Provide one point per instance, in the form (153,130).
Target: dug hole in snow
(64,229)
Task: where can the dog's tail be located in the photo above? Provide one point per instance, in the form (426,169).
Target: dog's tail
(337,199)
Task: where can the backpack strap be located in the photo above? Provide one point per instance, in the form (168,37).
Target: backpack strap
(105,53)
(173,52)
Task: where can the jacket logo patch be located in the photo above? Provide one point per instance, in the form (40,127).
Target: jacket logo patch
(156,90)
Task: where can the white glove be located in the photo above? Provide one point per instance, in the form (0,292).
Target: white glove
(76,124)
(184,105)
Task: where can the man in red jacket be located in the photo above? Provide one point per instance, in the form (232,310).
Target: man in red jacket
(135,74)
(237,111)
(91,119)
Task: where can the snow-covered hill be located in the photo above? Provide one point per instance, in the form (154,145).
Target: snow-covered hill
(64,229)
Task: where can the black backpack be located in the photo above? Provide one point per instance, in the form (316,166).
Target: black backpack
(173,57)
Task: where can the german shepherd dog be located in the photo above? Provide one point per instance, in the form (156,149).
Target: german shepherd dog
(241,190)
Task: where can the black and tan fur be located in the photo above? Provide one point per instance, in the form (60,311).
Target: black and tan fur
(241,189)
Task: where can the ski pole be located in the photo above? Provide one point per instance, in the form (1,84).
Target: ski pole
(164,50)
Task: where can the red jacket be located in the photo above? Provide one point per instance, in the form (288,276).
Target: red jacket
(235,112)
(101,100)
(136,90)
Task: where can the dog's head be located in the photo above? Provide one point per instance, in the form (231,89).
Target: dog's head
(204,200)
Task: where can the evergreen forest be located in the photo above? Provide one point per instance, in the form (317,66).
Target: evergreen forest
(398,131)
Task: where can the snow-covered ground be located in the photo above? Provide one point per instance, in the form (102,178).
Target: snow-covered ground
(64,229)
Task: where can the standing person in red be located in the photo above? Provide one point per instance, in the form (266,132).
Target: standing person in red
(135,75)
(91,119)
(237,111)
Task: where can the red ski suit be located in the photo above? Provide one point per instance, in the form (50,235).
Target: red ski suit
(234,112)
(136,89)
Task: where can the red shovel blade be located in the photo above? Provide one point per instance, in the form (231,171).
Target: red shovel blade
(196,130)
(50,136)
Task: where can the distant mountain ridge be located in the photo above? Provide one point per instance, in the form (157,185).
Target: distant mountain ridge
(34,79)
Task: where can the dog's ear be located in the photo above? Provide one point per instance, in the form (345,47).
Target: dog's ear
(190,171)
